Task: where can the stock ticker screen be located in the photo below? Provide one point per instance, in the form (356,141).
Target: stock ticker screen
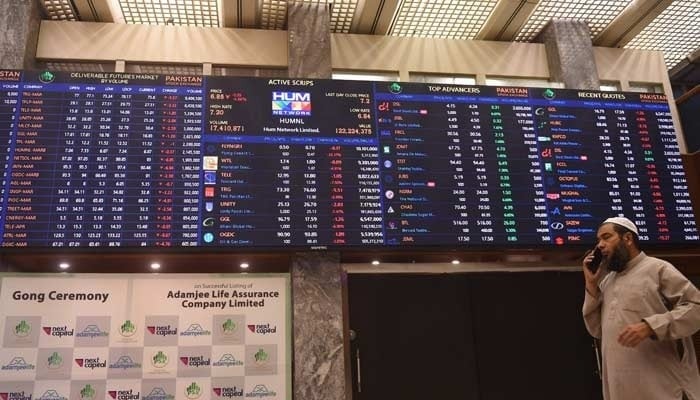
(139,160)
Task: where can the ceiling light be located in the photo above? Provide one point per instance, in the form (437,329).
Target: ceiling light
(455,262)
(155,266)
(375,262)
(245,265)
(64,265)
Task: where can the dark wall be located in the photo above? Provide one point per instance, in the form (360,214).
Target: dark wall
(471,336)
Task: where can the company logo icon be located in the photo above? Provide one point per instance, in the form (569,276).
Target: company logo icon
(195,330)
(159,360)
(164,330)
(127,329)
(261,391)
(91,363)
(17,364)
(47,77)
(261,356)
(55,361)
(87,392)
(124,362)
(548,94)
(195,361)
(262,329)
(124,394)
(52,395)
(209,177)
(228,392)
(291,103)
(228,327)
(92,331)
(158,393)
(60,331)
(208,222)
(23,329)
(395,88)
(210,163)
(15,396)
(227,360)
(193,391)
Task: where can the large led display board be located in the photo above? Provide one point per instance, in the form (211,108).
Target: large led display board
(138,160)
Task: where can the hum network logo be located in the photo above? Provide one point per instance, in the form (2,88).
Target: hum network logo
(291,103)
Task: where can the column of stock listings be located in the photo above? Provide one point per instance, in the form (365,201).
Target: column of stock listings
(138,160)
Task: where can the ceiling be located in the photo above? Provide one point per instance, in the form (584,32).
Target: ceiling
(671,26)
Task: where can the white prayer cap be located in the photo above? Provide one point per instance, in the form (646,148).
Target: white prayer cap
(622,221)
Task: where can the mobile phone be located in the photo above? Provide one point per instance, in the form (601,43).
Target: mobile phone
(595,262)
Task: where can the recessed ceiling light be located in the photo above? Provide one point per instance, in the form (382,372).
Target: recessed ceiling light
(245,265)
(455,262)
(64,265)
(155,266)
(375,262)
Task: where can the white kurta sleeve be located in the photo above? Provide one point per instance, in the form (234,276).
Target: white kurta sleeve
(591,314)
(683,300)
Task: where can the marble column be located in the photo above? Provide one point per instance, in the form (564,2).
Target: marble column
(570,54)
(19,33)
(320,371)
(309,50)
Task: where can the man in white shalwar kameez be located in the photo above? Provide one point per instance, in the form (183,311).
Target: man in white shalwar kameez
(645,312)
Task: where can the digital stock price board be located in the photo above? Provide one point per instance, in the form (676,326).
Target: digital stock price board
(137,160)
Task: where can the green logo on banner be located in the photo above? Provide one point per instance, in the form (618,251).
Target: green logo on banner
(548,94)
(55,360)
(261,356)
(160,360)
(47,77)
(193,391)
(395,88)
(87,392)
(229,326)
(127,328)
(22,329)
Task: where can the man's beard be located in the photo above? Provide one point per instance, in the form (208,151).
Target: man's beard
(619,258)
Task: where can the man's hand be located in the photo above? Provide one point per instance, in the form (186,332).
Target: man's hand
(590,277)
(633,334)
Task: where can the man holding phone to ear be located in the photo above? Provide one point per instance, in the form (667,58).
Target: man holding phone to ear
(645,313)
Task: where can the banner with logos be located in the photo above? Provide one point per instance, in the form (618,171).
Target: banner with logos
(145,337)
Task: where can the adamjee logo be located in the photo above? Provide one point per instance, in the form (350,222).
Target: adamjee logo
(195,330)
(124,362)
(164,330)
(158,393)
(17,364)
(15,396)
(228,392)
(92,331)
(59,331)
(227,360)
(52,395)
(261,391)
(196,361)
(91,363)
(124,394)
(262,329)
